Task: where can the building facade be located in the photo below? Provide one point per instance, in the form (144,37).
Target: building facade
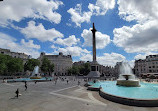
(106,71)
(61,62)
(148,65)
(22,56)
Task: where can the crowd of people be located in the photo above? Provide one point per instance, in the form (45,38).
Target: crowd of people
(63,79)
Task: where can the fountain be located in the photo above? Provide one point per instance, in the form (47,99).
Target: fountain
(126,77)
(126,89)
(35,73)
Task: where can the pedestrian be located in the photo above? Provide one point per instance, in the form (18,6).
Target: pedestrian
(35,82)
(25,82)
(55,82)
(25,87)
(17,93)
(78,83)
(67,81)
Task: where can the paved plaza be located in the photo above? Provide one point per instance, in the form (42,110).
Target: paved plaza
(46,96)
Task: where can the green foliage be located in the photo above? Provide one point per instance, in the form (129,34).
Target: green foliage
(52,67)
(15,65)
(86,68)
(10,65)
(47,66)
(77,70)
(30,64)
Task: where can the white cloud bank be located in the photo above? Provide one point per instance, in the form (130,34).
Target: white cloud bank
(106,59)
(99,8)
(17,10)
(39,32)
(8,42)
(71,40)
(102,40)
(74,51)
(141,37)
(78,17)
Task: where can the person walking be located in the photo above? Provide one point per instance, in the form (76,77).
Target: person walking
(17,93)
(78,83)
(67,81)
(55,82)
(25,86)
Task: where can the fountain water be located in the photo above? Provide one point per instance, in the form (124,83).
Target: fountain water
(35,73)
(131,94)
(126,77)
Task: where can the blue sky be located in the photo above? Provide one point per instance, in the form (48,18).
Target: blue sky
(125,29)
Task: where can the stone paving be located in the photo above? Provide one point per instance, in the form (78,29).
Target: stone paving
(46,96)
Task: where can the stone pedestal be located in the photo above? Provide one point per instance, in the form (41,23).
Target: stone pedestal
(94,70)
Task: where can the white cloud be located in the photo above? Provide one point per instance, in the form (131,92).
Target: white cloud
(74,51)
(53,46)
(143,56)
(140,56)
(18,10)
(110,59)
(71,40)
(39,32)
(8,42)
(138,38)
(78,17)
(140,11)
(86,57)
(106,59)
(141,37)
(99,8)
(102,40)
(30,44)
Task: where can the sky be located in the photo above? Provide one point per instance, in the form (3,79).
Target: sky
(126,29)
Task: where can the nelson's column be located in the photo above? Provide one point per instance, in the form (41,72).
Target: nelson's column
(94,65)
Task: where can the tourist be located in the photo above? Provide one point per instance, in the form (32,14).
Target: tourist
(25,86)
(78,83)
(55,82)
(17,93)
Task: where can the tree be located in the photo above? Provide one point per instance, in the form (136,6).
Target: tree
(3,64)
(47,66)
(15,65)
(30,64)
(51,68)
(10,65)
(69,71)
(74,70)
(77,70)
(86,68)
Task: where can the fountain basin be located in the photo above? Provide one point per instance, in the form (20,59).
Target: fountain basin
(30,80)
(127,80)
(129,101)
(34,77)
(146,95)
(128,83)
